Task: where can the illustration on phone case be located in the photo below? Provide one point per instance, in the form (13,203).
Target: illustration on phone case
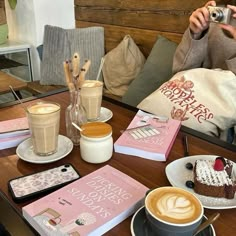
(43,180)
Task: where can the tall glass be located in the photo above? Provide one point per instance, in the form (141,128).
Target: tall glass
(91,98)
(44,122)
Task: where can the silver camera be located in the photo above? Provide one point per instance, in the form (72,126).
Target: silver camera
(219,14)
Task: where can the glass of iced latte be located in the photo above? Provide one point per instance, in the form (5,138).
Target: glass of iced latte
(91,98)
(44,121)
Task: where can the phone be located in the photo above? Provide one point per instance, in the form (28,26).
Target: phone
(38,184)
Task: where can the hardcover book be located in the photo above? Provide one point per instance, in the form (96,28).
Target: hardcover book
(14,141)
(8,126)
(148,136)
(91,205)
(13,132)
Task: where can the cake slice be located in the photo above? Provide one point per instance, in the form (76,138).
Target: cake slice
(214,178)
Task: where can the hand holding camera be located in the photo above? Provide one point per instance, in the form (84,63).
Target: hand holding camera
(199,20)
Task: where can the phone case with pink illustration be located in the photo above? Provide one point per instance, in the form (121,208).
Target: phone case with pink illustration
(34,185)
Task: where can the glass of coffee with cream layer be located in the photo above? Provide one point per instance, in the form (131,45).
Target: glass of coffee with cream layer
(44,122)
(91,98)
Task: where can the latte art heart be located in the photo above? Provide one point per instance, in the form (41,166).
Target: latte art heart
(175,206)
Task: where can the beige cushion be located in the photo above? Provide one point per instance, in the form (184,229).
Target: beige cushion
(202,99)
(121,66)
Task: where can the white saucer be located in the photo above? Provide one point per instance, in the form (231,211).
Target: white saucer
(25,151)
(105,114)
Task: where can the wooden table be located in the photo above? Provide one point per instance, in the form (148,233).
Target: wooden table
(7,80)
(150,173)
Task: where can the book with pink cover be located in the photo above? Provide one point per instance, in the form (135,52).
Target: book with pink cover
(91,205)
(14,141)
(148,136)
(14,125)
(13,132)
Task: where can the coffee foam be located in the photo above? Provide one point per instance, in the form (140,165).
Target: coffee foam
(43,108)
(92,83)
(173,206)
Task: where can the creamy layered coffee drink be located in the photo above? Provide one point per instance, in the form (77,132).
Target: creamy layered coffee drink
(173,205)
(91,98)
(44,120)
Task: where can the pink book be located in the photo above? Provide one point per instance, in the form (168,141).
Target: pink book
(14,125)
(13,132)
(14,141)
(148,136)
(91,205)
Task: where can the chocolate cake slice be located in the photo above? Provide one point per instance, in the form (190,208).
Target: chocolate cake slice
(210,179)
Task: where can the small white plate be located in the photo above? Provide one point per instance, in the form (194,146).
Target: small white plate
(178,174)
(25,151)
(105,114)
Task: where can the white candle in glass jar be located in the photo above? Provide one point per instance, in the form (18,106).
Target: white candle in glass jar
(96,142)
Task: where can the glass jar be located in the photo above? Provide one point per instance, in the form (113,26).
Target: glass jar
(75,113)
(96,142)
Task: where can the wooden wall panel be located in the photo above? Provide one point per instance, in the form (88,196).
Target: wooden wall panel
(142,19)
(145,39)
(150,5)
(138,19)
(3,19)
(2,3)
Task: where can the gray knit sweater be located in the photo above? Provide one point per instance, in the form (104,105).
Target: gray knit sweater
(213,50)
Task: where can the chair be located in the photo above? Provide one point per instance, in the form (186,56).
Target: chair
(59,45)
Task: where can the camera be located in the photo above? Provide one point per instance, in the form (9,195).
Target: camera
(219,14)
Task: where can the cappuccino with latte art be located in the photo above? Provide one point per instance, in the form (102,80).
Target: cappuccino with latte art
(174,205)
(173,210)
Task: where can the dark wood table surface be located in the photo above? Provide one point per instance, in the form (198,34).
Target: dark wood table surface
(150,173)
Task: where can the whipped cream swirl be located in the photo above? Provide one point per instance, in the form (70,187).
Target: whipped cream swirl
(175,206)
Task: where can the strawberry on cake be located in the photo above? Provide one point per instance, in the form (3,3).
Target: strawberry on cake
(214,178)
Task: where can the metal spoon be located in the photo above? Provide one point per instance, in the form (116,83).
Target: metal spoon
(205,224)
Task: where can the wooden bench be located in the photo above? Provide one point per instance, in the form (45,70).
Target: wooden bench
(143,20)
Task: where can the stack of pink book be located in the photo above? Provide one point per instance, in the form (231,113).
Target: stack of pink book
(13,132)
